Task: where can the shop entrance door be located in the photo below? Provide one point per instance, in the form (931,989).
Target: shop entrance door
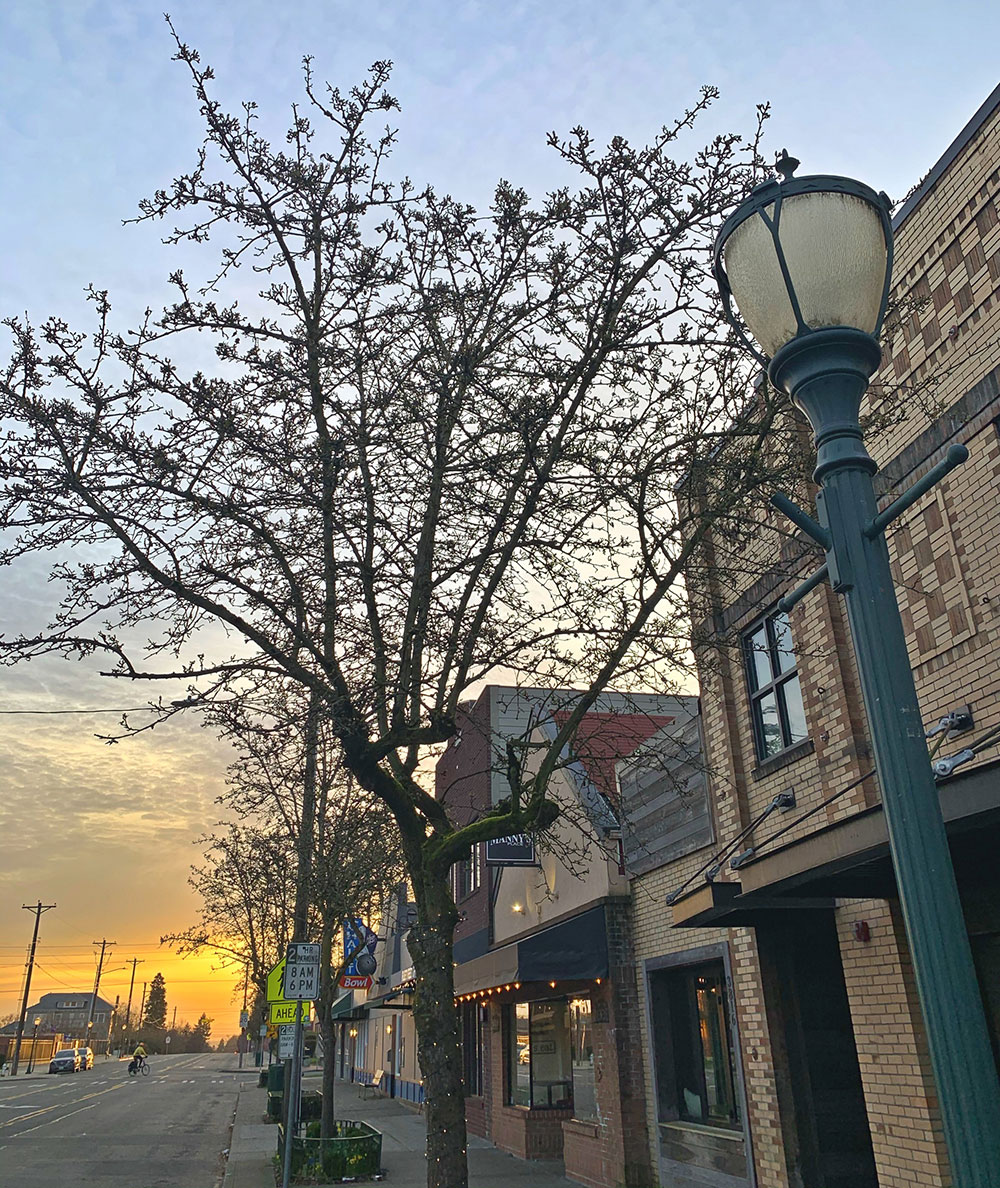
(820,1095)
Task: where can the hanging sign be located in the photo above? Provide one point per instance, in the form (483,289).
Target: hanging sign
(361,941)
(355,982)
(517,849)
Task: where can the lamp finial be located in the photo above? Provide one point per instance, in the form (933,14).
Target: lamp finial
(785,165)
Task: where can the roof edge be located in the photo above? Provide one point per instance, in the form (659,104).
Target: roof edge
(961,141)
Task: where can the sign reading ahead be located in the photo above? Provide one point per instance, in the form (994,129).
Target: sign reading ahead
(285,1011)
(301,980)
(517,849)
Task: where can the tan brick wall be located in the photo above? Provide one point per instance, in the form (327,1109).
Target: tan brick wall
(946,554)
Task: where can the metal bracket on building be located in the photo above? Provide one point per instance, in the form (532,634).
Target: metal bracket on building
(957,722)
(955,456)
(944,767)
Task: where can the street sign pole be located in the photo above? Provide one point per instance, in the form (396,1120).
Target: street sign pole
(292,1103)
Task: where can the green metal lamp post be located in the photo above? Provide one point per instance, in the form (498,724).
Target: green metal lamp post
(808,262)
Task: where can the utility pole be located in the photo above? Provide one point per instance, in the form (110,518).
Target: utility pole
(173,1021)
(131,986)
(97,983)
(142,1005)
(38,909)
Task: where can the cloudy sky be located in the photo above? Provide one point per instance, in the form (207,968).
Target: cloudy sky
(94,115)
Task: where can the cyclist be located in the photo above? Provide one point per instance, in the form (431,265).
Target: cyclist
(139,1055)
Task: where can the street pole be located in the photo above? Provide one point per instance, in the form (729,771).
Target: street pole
(97,982)
(243,1029)
(38,909)
(34,1041)
(142,1004)
(826,374)
(292,1104)
(131,986)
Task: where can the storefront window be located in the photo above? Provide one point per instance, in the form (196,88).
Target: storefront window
(473,1030)
(584,1095)
(694,1050)
(540,1070)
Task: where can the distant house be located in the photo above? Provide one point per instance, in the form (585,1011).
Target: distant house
(66,1013)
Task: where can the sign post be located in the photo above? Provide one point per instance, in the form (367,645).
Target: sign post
(299,983)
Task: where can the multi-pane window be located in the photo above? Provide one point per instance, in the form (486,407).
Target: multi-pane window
(467,875)
(779,721)
(695,1056)
(473,1037)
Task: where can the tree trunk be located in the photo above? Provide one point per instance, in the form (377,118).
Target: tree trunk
(327,1029)
(438,1045)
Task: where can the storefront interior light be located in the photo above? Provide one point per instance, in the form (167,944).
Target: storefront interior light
(517,907)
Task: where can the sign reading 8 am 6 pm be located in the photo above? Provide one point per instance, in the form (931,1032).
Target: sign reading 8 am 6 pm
(301,980)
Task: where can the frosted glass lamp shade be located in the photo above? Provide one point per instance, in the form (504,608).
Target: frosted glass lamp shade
(806,255)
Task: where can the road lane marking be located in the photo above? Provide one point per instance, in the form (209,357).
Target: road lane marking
(56,1105)
(61,1118)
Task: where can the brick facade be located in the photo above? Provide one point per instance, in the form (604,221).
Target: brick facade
(946,563)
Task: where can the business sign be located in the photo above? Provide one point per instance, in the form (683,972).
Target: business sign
(517,849)
(355,982)
(361,941)
(285,1011)
(301,980)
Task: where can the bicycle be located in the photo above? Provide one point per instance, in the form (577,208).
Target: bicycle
(135,1069)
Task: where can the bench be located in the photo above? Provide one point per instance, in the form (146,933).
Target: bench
(375,1085)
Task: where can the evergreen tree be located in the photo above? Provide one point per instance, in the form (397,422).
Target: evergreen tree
(156,1004)
(202,1030)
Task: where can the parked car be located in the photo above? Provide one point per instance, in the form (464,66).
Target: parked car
(86,1058)
(66,1060)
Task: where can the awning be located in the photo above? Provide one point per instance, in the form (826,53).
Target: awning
(346,1008)
(574,949)
(393,999)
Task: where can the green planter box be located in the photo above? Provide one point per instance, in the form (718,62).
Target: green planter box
(275,1078)
(274,1101)
(355,1149)
(262,1079)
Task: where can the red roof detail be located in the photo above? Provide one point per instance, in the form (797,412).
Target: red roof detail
(602,739)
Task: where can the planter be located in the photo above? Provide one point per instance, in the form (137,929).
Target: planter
(355,1149)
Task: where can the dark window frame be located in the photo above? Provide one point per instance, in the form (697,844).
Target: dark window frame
(474,1033)
(758,691)
(680,1046)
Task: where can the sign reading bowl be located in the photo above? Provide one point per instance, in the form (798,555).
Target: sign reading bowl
(517,849)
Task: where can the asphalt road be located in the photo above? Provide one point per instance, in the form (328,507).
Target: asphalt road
(105,1129)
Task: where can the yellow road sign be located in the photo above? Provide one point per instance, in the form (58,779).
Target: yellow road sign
(274,980)
(284,1011)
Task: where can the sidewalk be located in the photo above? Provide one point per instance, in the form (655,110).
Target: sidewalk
(254,1142)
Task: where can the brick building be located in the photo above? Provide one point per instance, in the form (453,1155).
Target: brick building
(807,1063)
(544,955)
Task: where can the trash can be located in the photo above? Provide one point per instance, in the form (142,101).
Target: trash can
(276,1078)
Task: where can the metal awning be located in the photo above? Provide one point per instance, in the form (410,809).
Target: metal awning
(346,1008)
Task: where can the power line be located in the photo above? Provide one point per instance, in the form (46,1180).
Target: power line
(129,709)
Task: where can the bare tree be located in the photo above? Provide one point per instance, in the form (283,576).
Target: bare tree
(436,444)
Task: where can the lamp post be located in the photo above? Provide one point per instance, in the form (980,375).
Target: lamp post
(34,1037)
(808,262)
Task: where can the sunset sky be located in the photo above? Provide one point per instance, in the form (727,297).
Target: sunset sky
(94,115)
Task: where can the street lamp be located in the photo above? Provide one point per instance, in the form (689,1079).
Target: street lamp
(808,262)
(34,1037)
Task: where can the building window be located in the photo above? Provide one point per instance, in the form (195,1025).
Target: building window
(539,1054)
(695,1064)
(779,721)
(467,875)
(473,1034)
(582,1044)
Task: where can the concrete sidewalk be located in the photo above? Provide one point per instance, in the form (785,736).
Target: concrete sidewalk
(254,1143)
